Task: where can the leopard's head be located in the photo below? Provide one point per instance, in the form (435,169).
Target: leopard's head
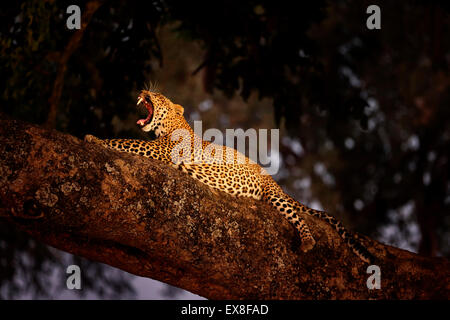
(163,116)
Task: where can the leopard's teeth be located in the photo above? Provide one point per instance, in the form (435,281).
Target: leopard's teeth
(139,101)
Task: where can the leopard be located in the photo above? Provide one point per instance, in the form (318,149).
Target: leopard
(221,168)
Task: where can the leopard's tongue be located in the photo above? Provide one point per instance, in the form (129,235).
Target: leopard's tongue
(143,122)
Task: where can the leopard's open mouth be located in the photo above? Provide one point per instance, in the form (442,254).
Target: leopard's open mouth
(149,106)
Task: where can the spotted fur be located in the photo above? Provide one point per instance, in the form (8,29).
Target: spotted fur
(242,177)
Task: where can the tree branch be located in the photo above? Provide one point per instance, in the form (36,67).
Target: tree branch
(146,218)
(72,45)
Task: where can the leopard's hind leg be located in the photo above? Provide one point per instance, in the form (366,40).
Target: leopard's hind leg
(273,194)
(350,238)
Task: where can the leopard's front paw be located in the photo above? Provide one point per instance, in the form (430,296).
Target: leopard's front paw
(90,138)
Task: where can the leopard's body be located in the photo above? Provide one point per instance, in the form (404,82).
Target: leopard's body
(220,167)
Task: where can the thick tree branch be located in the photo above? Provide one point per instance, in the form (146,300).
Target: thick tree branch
(146,218)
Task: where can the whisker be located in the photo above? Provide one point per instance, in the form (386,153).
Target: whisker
(152,86)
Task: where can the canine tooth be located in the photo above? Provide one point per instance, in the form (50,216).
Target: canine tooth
(139,101)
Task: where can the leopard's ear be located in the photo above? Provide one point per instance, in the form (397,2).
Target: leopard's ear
(178,109)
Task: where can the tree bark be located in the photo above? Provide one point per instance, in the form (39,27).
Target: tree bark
(149,219)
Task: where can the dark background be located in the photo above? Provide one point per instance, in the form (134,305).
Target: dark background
(364,114)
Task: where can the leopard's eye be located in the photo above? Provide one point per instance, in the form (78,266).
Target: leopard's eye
(147,98)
